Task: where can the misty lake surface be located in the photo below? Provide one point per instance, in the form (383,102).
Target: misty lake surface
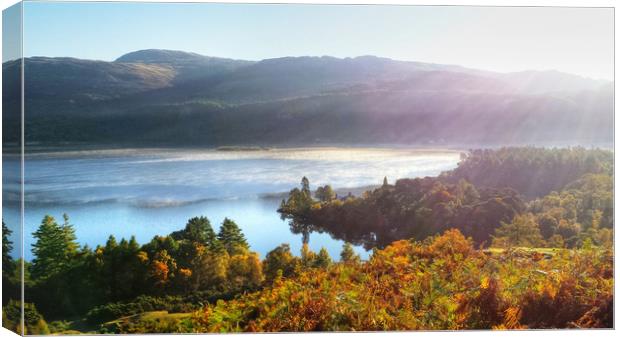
(148,192)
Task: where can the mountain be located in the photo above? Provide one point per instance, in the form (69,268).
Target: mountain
(163,97)
(186,66)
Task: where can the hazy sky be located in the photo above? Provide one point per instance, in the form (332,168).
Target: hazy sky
(575,40)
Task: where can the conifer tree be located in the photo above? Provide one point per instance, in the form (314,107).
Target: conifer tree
(232,238)
(54,248)
(70,240)
(7,246)
(348,254)
(198,229)
(323,260)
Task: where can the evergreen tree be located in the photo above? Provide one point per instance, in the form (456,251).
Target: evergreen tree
(323,260)
(348,254)
(297,208)
(232,238)
(385,182)
(54,248)
(70,240)
(198,229)
(7,247)
(305,186)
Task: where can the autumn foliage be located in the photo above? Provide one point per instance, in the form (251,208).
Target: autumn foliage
(440,283)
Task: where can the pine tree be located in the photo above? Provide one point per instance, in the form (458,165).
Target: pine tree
(385,182)
(232,238)
(305,186)
(7,247)
(198,229)
(323,260)
(70,240)
(348,254)
(54,248)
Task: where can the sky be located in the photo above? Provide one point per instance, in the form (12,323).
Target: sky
(504,39)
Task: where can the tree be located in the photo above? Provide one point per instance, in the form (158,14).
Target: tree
(325,193)
(245,270)
(305,186)
(279,258)
(163,268)
(308,257)
(71,246)
(385,182)
(522,231)
(323,260)
(209,268)
(33,323)
(232,238)
(297,210)
(54,248)
(199,229)
(7,247)
(348,254)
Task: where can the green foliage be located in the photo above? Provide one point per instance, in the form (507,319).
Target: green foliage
(68,281)
(279,261)
(143,303)
(54,248)
(532,171)
(296,209)
(34,324)
(198,229)
(522,231)
(411,208)
(148,322)
(323,260)
(325,193)
(11,269)
(7,247)
(348,255)
(232,238)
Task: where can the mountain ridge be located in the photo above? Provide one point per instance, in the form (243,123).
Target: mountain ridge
(155,91)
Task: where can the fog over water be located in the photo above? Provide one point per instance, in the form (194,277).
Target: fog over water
(147,192)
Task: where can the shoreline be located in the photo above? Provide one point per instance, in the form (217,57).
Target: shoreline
(50,153)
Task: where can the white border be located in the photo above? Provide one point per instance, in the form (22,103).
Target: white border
(499,3)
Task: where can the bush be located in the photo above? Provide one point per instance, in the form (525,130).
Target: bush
(33,320)
(172,304)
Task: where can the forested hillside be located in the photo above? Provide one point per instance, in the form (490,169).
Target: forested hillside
(210,101)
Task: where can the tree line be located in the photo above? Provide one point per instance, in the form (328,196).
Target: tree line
(560,197)
(178,272)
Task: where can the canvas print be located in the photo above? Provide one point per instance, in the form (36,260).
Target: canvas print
(220,167)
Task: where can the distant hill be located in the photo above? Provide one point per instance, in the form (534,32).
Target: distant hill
(162,97)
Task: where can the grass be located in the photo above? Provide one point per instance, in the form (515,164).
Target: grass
(154,317)
(151,316)
(546,251)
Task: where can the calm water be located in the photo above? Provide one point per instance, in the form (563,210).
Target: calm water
(153,192)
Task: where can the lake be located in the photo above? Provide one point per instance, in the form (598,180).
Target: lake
(147,192)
